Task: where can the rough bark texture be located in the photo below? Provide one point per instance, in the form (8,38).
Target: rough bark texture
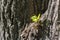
(15,15)
(52,16)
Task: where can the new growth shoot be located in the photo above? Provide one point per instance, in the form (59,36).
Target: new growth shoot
(35,18)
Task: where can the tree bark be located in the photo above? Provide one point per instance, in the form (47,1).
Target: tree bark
(15,14)
(51,15)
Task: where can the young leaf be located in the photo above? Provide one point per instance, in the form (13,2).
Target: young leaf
(38,16)
(35,18)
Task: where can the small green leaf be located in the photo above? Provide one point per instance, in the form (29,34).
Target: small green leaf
(35,18)
(38,16)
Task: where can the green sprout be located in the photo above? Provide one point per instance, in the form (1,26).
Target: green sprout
(35,18)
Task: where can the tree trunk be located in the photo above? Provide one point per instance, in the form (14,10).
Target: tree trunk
(15,14)
(51,15)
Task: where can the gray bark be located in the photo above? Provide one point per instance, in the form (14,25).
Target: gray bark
(15,14)
(51,15)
